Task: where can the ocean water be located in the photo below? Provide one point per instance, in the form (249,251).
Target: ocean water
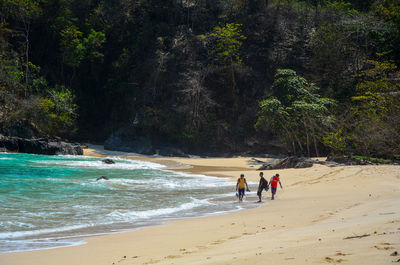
(54,201)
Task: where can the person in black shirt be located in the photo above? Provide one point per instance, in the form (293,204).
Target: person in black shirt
(263,185)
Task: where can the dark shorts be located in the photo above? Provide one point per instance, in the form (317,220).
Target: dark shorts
(273,190)
(241,191)
(259,191)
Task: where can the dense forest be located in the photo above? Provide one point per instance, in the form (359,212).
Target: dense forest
(308,77)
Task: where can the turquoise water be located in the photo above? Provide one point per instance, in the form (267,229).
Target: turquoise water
(53,201)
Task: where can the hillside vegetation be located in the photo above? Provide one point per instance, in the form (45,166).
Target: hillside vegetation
(307,77)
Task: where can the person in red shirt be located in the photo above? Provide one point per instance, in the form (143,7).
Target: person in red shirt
(273,182)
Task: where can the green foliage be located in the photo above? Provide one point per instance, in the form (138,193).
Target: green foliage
(341,6)
(25,9)
(376,110)
(374,160)
(377,93)
(71,44)
(93,43)
(272,114)
(77,49)
(337,141)
(11,76)
(196,70)
(389,10)
(59,111)
(228,40)
(298,113)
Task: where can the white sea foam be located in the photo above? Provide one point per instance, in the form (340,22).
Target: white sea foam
(21,234)
(167,180)
(195,181)
(123,164)
(161,212)
(7,225)
(128,199)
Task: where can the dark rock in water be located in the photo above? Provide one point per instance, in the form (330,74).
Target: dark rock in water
(39,146)
(108,161)
(9,143)
(102,178)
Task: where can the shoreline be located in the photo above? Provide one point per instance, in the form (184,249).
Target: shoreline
(168,164)
(307,224)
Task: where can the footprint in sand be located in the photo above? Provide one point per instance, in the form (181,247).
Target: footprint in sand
(339,253)
(202,247)
(217,242)
(330,260)
(172,257)
(384,246)
(152,261)
(122,259)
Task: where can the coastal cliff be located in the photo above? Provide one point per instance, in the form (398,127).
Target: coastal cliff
(39,146)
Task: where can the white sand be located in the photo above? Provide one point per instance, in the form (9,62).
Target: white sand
(308,223)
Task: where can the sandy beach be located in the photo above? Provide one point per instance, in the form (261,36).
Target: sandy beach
(324,215)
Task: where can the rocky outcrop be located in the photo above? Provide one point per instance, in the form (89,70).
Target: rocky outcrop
(170,151)
(123,141)
(303,162)
(120,141)
(289,162)
(22,129)
(39,146)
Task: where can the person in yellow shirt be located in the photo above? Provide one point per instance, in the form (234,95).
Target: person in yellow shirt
(240,186)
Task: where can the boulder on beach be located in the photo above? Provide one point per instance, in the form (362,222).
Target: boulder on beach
(289,162)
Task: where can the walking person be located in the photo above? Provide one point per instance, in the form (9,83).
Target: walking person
(274,184)
(261,186)
(240,186)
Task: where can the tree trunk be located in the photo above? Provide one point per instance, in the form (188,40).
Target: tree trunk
(313,136)
(26,35)
(299,143)
(308,144)
(307,137)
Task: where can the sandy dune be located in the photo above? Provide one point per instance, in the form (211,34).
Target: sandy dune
(341,215)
